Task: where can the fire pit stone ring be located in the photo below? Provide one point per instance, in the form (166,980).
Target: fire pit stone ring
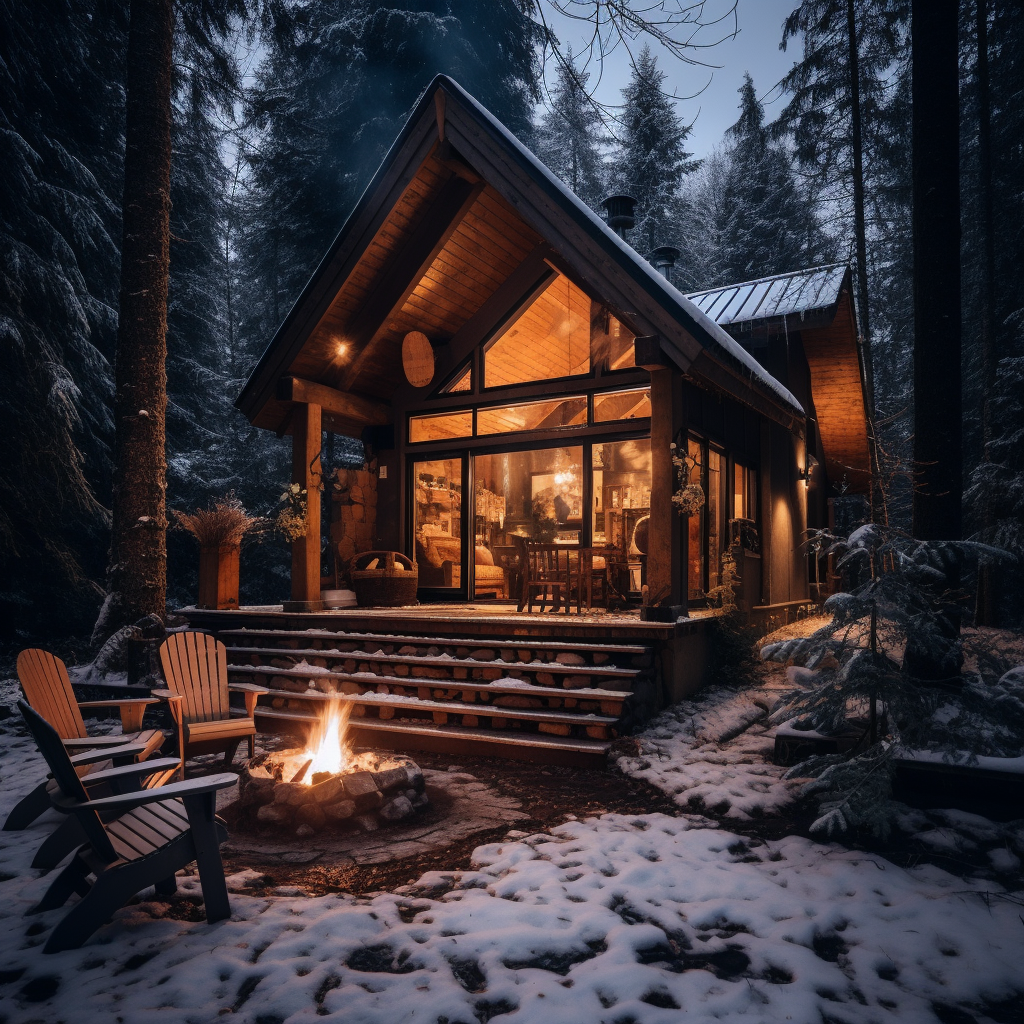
(276,793)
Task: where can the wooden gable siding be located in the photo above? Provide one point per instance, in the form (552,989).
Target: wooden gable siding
(839,397)
(485,248)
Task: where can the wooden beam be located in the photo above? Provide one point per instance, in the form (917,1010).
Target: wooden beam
(367,412)
(397,280)
(648,354)
(666,563)
(439,113)
(306,471)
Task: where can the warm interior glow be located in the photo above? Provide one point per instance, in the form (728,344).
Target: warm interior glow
(328,749)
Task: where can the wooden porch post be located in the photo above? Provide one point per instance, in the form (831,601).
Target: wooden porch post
(666,557)
(306,440)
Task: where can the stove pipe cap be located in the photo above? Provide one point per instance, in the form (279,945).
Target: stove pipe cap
(620,213)
(664,258)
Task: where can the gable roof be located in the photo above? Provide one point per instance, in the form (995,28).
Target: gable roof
(450,133)
(803,294)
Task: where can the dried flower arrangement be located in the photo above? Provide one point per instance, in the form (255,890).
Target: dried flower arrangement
(225,523)
(290,521)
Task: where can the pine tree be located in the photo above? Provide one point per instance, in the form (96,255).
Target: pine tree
(704,220)
(570,135)
(651,161)
(772,226)
(851,675)
(137,572)
(59,175)
(828,104)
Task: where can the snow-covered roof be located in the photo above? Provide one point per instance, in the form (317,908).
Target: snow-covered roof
(793,294)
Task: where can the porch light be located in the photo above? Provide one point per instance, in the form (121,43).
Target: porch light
(805,474)
(341,349)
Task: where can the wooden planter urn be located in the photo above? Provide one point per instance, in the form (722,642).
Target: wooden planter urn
(219,530)
(218,575)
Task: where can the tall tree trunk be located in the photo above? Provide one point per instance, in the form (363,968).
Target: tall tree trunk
(879,511)
(935,168)
(138,549)
(989,347)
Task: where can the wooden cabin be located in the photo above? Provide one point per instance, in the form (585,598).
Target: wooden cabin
(519,371)
(523,380)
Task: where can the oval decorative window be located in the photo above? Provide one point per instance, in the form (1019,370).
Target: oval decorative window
(418,359)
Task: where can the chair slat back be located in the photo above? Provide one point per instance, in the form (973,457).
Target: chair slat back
(51,746)
(196,668)
(44,678)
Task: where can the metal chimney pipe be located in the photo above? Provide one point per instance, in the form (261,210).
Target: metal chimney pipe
(620,213)
(664,259)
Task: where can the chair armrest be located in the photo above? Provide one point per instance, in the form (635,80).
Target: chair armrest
(167,695)
(126,801)
(93,742)
(251,687)
(117,703)
(127,771)
(174,701)
(107,753)
(252,692)
(131,708)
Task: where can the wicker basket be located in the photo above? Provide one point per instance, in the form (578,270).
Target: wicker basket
(385,586)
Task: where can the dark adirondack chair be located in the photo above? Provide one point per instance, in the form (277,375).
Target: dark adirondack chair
(196,670)
(47,687)
(157,832)
(93,768)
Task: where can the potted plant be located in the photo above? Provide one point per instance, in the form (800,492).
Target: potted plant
(219,530)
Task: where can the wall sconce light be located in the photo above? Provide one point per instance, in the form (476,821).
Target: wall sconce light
(806,474)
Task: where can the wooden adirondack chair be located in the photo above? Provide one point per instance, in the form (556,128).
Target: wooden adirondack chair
(196,670)
(158,831)
(44,679)
(92,768)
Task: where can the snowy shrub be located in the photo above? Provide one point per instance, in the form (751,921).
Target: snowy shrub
(890,662)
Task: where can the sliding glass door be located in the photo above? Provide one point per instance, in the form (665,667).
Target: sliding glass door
(437,487)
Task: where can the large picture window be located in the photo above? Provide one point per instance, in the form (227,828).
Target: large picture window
(550,338)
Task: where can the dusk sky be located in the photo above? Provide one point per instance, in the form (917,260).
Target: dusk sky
(755,48)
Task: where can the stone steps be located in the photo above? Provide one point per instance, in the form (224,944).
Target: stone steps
(385,706)
(460,739)
(530,697)
(353,684)
(556,673)
(288,637)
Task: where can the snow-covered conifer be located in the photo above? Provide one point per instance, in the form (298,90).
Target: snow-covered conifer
(651,160)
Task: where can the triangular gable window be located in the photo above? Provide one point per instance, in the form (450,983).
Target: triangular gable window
(547,340)
(460,382)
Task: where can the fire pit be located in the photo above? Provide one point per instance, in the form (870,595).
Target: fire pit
(326,783)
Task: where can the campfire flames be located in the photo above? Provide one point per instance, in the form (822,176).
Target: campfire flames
(326,784)
(327,753)
(328,750)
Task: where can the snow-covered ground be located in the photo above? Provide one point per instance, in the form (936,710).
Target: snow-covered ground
(713,752)
(614,919)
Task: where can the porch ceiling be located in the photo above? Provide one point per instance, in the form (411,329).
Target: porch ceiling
(486,241)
